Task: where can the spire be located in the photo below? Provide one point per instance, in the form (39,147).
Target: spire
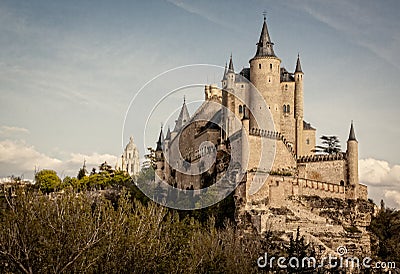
(264,45)
(168,136)
(298,65)
(183,117)
(352,135)
(225,71)
(230,68)
(160,141)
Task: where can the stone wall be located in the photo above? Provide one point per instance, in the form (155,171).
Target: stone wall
(332,171)
(362,192)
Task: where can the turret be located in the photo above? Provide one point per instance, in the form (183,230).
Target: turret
(167,140)
(299,106)
(183,118)
(352,159)
(224,78)
(230,75)
(159,157)
(298,77)
(265,75)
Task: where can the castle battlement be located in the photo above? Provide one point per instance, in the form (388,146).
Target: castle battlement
(273,135)
(322,157)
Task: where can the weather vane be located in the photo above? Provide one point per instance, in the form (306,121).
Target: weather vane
(264,14)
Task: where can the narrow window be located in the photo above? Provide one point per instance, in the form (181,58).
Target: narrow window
(240,109)
(270,66)
(308,141)
(288,108)
(284,108)
(259,66)
(286,87)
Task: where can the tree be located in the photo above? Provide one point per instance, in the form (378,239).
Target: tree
(47,180)
(386,226)
(82,173)
(105,167)
(330,145)
(299,249)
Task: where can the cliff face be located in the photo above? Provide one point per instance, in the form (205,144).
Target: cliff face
(328,223)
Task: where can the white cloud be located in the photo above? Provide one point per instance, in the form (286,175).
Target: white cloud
(23,156)
(93,160)
(378,172)
(393,198)
(383,180)
(19,158)
(7,131)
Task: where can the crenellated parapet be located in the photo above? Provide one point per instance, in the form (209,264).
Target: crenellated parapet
(273,135)
(322,157)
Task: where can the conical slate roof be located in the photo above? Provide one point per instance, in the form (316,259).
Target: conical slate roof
(183,117)
(352,135)
(230,68)
(160,141)
(264,45)
(225,71)
(298,65)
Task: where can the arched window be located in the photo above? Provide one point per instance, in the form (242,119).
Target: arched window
(259,66)
(240,109)
(284,108)
(270,66)
(288,108)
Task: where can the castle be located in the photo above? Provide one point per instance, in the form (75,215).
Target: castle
(254,125)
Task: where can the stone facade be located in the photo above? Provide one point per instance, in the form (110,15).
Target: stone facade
(129,160)
(256,117)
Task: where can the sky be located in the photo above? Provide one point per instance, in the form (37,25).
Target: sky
(70,73)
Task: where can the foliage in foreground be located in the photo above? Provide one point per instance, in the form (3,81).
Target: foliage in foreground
(85,232)
(385,240)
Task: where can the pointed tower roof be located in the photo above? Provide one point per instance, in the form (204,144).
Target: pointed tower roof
(160,141)
(225,71)
(183,117)
(168,136)
(352,135)
(230,68)
(298,65)
(264,45)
